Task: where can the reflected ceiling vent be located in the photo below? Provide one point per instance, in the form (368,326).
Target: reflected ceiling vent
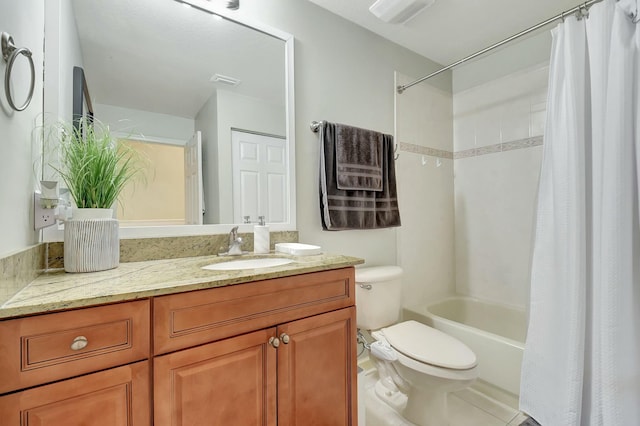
(232,4)
(398,11)
(224,79)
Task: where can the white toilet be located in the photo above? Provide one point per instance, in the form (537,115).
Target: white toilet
(418,365)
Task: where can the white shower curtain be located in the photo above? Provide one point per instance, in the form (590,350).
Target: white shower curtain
(581,362)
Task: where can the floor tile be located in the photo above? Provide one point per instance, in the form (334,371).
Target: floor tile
(468,407)
(495,393)
(487,404)
(461,413)
(518,419)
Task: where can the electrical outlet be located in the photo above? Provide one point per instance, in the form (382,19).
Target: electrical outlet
(45,219)
(42,217)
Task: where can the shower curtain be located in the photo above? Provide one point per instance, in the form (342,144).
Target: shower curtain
(581,362)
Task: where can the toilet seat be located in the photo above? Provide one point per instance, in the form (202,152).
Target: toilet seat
(422,347)
(432,370)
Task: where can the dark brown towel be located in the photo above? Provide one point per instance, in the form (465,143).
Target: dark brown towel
(358,158)
(359,209)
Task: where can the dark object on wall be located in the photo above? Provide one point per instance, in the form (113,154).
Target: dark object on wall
(82,106)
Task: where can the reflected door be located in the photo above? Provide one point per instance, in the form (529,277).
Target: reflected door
(194,195)
(259,177)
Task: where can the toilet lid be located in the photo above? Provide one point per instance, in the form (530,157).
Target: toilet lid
(428,345)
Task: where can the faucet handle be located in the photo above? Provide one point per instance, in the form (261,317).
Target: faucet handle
(233,234)
(247,219)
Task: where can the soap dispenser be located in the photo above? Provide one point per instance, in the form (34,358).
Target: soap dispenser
(261,236)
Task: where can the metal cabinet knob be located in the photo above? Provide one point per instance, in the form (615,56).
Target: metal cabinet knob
(78,343)
(274,341)
(284,337)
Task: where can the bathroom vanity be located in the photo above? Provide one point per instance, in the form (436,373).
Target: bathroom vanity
(272,346)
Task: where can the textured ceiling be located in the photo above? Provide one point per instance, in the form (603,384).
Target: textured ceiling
(452,29)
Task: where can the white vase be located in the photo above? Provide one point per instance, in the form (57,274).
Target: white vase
(84,214)
(91,241)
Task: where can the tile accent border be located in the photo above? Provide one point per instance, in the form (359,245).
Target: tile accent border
(424,150)
(499,147)
(19,269)
(473,152)
(142,249)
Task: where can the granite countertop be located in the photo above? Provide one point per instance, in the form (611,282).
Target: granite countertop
(58,290)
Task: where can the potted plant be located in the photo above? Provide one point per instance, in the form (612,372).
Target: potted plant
(95,169)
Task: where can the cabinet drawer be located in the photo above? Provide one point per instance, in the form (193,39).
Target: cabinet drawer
(114,397)
(50,347)
(189,319)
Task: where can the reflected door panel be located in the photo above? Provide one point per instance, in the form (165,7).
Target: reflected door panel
(259,177)
(194,196)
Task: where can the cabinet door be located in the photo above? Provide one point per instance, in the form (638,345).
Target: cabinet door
(229,382)
(317,370)
(116,397)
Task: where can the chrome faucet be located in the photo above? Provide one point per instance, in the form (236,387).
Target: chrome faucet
(234,243)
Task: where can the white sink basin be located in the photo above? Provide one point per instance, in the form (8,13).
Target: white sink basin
(248,264)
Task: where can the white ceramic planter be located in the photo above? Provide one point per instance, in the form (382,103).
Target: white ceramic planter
(91,241)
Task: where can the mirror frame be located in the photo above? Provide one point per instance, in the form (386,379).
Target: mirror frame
(53,234)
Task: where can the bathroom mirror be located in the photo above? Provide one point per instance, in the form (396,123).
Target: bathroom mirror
(167,75)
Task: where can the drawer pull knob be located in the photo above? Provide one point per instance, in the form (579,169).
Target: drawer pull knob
(284,338)
(78,343)
(274,341)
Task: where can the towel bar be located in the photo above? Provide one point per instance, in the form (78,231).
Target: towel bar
(315,128)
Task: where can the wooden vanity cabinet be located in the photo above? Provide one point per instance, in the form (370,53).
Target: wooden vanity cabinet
(273,352)
(80,367)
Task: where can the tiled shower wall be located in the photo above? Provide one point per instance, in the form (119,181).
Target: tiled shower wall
(424,169)
(498,128)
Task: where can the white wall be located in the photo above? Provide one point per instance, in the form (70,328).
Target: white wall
(343,73)
(499,112)
(424,124)
(243,113)
(150,125)
(62,47)
(222,112)
(62,53)
(207,123)
(19,147)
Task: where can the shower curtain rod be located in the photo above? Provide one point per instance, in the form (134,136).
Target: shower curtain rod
(584,6)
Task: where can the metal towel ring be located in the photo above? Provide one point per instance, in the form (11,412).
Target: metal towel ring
(10,53)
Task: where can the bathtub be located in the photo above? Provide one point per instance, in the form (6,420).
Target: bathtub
(496,334)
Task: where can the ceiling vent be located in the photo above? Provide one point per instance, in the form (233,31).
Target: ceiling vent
(232,4)
(219,78)
(398,11)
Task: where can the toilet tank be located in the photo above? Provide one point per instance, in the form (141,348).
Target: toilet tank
(378,296)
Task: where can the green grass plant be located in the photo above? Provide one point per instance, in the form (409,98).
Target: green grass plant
(94,166)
